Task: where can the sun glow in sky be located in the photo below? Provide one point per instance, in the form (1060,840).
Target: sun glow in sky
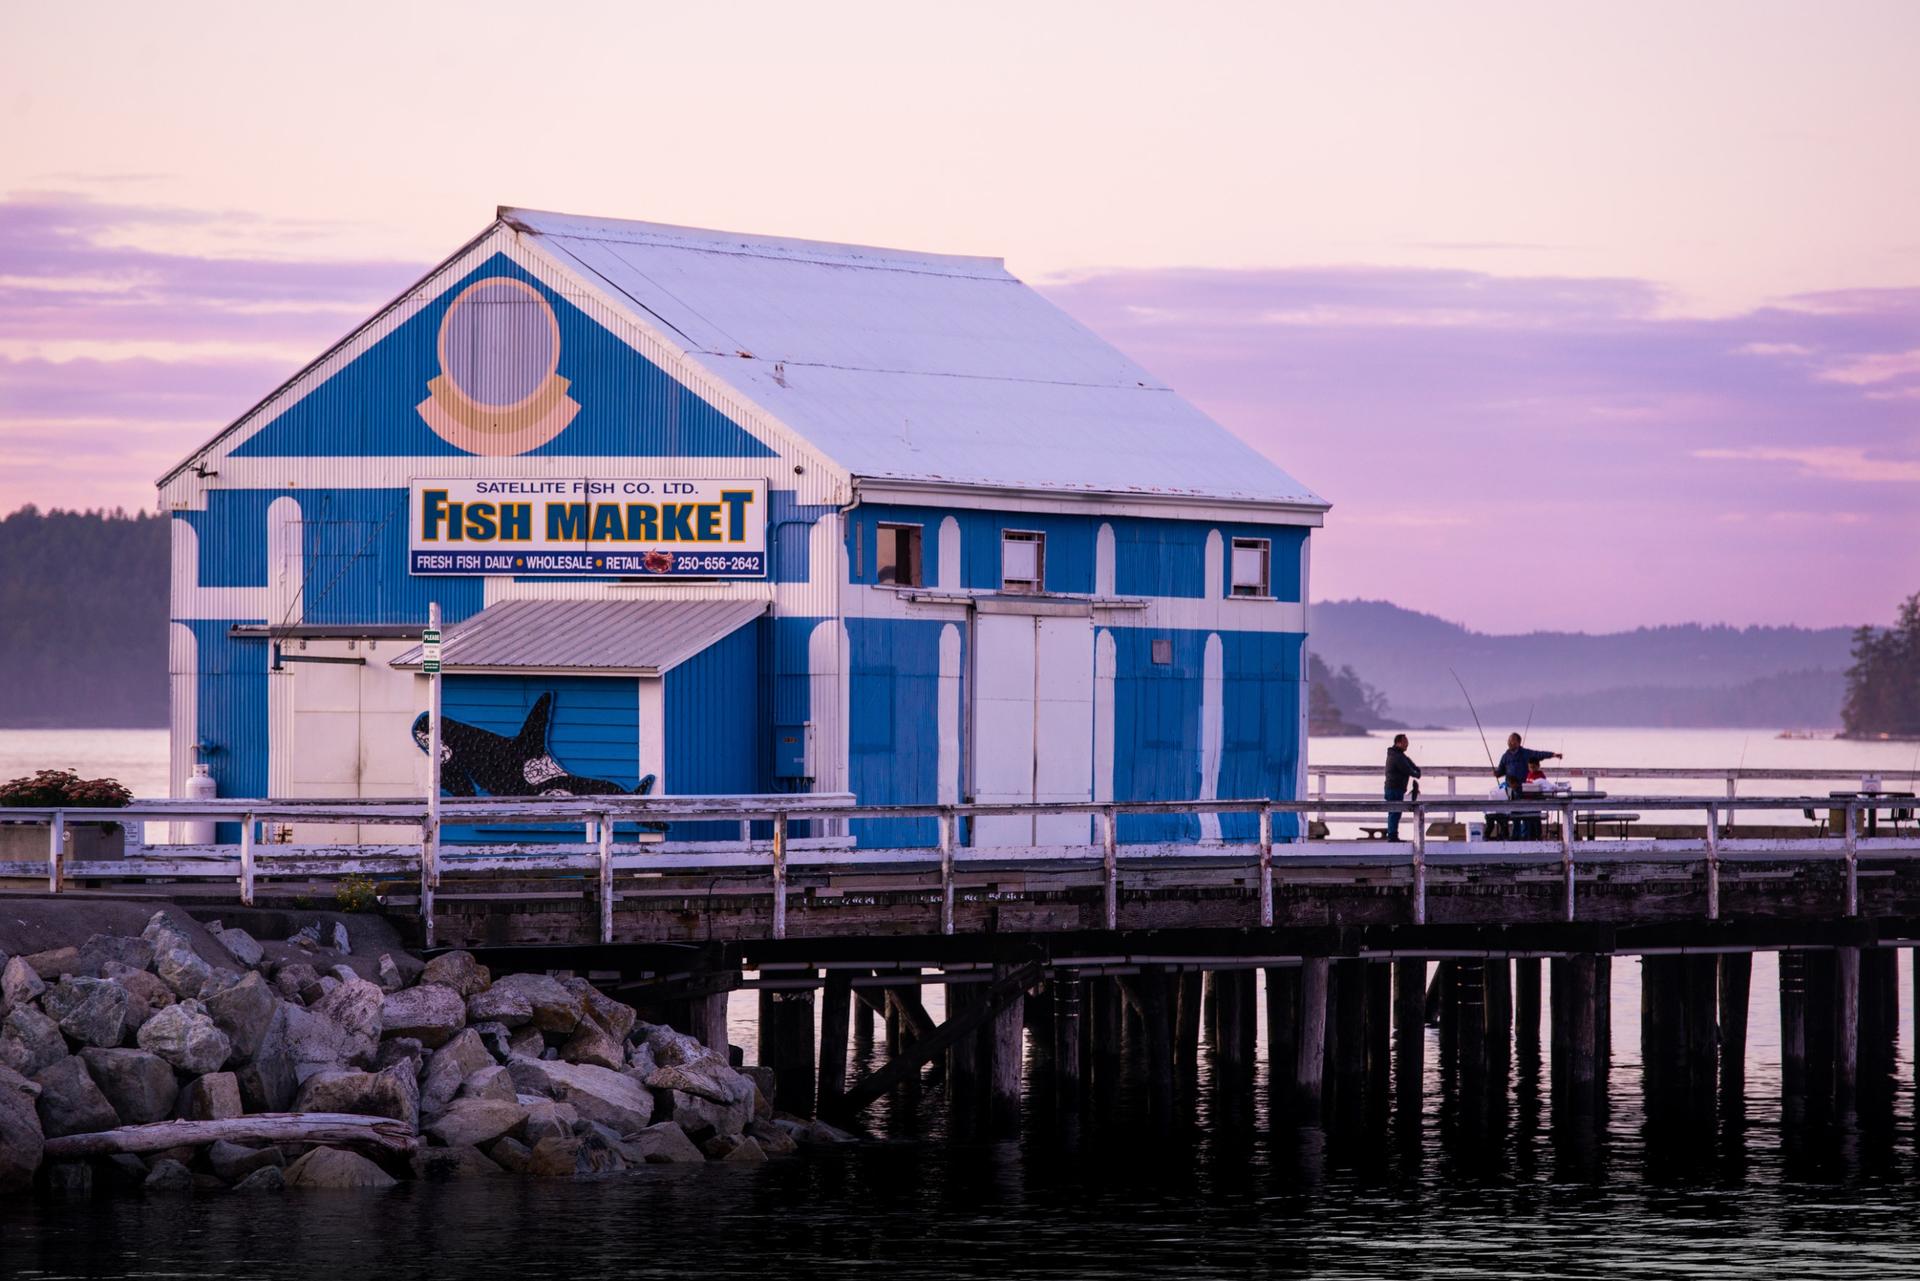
(1631,289)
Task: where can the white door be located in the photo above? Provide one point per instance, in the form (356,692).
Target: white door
(1033,724)
(351,730)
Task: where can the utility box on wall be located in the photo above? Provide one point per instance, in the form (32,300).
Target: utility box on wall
(793,751)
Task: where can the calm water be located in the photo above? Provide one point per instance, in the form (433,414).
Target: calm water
(1740,1194)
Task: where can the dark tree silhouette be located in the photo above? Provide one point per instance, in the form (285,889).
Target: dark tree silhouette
(1883,685)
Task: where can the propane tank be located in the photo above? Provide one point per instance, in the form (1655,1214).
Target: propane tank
(200,787)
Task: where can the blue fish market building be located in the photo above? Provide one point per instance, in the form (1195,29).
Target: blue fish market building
(717,513)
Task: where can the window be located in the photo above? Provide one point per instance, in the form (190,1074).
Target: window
(1023,558)
(897,556)
(1163,652)
(1250,567)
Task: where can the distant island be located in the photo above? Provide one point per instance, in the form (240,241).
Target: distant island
(1684,676)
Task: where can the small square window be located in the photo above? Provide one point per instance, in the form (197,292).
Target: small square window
(1163,653)
(1023,557)
(897,556)
(1250,556)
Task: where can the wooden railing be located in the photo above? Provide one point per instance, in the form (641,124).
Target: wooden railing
(1592,777)
(250,860)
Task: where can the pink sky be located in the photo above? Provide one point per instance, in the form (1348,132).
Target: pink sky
(1582,315)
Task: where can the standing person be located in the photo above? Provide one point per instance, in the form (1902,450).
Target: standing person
(1400,771)
(1516,762)
(1514,767)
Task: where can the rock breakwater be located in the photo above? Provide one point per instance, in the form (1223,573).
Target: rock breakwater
(194,1059)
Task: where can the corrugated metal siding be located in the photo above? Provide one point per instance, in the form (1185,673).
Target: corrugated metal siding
(717,726)
(1156,730)
(1261,695)
(659,635)
(232,694)
(894,738)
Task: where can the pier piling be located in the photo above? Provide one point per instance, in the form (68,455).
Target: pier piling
(1310,1061)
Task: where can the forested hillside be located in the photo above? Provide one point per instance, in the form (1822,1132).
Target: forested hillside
(83,619)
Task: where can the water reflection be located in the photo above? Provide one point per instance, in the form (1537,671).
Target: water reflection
(1486,1178)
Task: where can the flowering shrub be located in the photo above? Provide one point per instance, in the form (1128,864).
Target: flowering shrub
(64,787)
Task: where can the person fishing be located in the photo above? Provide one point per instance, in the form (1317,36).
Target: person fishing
(1400,772)
(1512,772)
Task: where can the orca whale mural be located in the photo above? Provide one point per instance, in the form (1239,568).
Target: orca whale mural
(478,762)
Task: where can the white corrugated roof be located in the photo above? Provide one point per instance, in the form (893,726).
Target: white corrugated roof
(915,367)
(649,637)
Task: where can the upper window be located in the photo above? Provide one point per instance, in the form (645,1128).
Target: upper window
(897,556)
(1250,557)
(1023,559)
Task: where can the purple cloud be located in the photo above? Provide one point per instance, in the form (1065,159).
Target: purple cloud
(117,358)
(1528,451)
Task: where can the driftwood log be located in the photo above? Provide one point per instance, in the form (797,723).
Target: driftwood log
(341,1128)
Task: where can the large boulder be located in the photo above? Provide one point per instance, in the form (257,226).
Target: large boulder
(555,1158)
(213,1097)
(145,992)
(470,1122)
(141,1086)
(89,1011)
(616,1017)
(20,985)
(169,1177)
(355,1008)
(451,1065)
(102,950)
(297,981)
(244,1012)
(710,1078)
(431,1013)
(334,1168)
(56,963)
(591,1044)
(459,971)
(736,1149)
(697,1114)
(671,1048)
(22,1142)
(596,1093)
(267,1083)
(29,1041)
(69,1102)
(554,1008)
(241,946)
(508,1007)
(665,1143)
(546,1117)
(231,1161)
(392,1093)
(174,960)
(185,1035)
(493,1082)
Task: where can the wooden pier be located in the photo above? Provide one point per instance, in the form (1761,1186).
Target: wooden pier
(1075,963)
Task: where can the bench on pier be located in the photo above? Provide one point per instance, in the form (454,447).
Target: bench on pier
(1593,821)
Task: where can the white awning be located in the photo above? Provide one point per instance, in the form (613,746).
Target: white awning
(625,638)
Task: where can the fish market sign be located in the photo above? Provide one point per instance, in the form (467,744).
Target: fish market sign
(589,527)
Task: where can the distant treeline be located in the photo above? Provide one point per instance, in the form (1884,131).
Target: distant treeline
(1883,685)
(1691,675)
(83,619)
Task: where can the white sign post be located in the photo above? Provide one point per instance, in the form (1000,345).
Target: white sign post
(430,845)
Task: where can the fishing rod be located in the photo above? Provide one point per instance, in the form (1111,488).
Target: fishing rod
(1476,719)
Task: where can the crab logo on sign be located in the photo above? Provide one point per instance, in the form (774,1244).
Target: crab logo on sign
(499,391)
